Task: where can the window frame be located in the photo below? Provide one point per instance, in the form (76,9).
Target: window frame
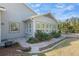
(17,25)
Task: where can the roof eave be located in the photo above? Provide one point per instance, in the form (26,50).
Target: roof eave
(30,9)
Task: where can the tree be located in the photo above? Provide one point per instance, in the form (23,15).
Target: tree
(71,25)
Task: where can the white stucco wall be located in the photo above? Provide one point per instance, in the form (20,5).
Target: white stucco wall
(15,12)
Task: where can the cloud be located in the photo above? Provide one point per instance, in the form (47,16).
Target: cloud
(59,6)
(36,5)
(68,15)
(62,8)
(70,7)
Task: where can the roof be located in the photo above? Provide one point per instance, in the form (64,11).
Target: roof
(30,9)
(47,15)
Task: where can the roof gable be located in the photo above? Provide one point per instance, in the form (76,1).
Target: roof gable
(49,15)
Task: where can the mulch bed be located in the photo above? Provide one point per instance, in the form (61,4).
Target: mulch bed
(10,51)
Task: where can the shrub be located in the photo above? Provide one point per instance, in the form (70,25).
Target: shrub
(32,40)
(8,44)
(44,36)
(49,37)
(26,49)
(56,34)
(16,44)
(52,33)
(41,35)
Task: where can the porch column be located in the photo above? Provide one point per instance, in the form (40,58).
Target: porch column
(34,28)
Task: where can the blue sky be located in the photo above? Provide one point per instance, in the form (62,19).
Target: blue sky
(59,10)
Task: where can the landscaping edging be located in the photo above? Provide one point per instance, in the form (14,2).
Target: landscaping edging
(48,47)
(41,52)
(52,47)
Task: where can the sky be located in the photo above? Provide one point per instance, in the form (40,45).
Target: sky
(61,11)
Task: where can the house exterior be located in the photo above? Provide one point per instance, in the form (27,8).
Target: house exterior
(18,20)
(11,17)
(45,23)
(1,10)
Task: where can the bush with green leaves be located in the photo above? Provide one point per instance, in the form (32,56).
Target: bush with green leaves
(33,40)
(70,25)
(55,34)
(42,36)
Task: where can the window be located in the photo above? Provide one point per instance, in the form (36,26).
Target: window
(28,27)
(43,26)
(14,27)
(47,25)
(38,26)
(50,25)
(29,30)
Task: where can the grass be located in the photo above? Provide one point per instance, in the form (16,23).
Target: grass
(62,44)
(68,47)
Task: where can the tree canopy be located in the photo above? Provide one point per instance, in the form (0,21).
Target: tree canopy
(71,25)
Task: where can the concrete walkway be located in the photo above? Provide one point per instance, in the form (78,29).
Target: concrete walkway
(22,42)
(37,46)
(75,35)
